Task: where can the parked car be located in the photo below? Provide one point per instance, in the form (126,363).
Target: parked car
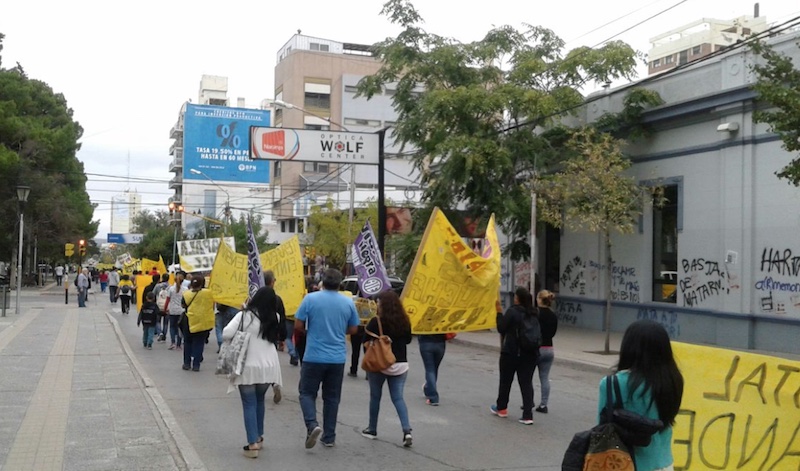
(350,283)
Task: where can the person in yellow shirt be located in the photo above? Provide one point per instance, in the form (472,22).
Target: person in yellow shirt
(198,322)
(124,293)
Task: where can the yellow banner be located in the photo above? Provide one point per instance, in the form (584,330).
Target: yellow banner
(739,411)
(229,277)
(141,283)
(148,265)
(450,287)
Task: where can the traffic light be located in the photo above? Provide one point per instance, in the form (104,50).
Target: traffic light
(82,245)
(311,252)
(175,206)
(69,249)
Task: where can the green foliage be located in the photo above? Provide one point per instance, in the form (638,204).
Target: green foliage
(778,86)
(332,231)
(159,235)
(238,230)
(628,123)
(456,102)
(38,145)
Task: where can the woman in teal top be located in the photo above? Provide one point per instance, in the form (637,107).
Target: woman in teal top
(651,385)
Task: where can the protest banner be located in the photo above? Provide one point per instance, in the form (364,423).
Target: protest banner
(368,263)
(141,283)
(230,277)
(199,254)
(739,411)
(255,276)
(450,287)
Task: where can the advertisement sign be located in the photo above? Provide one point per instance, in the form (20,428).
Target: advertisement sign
(307,145)
(199,254)
(125,238)
(215,142)
(368,263)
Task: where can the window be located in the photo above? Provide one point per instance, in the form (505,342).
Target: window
(279,115)
(319,47)
(350,88)
(276,172)
(696,50)
(657,63)
(745,31)
(283,226)
(665,247)
(390,92)
(315,167)
(317,127)
(669,59)
(291,226)
(362,122)
(317,100)
(301,226)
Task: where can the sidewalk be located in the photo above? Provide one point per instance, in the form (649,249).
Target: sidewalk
(71,397)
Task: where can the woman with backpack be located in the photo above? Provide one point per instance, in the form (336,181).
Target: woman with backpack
(651,385)
(124,293)
(197,322)
(521,337)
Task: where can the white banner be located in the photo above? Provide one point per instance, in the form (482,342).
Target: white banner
(307,145)
(199,254)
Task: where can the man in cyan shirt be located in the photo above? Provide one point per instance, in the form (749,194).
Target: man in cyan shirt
(325,317)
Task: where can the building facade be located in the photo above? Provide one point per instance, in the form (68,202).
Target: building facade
(123,208)
(720,262)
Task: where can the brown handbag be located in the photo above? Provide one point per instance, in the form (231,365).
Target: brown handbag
(377,351)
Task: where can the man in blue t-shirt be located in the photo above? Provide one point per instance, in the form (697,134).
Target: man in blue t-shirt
(325,317)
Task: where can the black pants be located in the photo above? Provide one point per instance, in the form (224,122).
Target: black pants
(355,344)
(522,366)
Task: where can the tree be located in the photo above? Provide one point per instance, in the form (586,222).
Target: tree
(238,230)
(778,86)
(38,145)
(470,109)
(593,192)
(332,231)
(158,235)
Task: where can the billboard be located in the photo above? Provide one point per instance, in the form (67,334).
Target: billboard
(215,140)
(307,145)
(124,238)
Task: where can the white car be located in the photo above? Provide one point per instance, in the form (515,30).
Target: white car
(350,283)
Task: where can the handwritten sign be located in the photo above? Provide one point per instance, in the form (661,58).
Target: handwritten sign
(199,254)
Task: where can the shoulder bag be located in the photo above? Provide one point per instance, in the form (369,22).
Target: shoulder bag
(377,351)
(233,352)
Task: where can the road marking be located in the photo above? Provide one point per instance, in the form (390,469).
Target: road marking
(9,333)
(39,443)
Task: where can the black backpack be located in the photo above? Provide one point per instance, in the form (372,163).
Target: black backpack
(529,334)
(126,289)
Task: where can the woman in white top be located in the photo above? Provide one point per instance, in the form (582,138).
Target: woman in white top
(262,365)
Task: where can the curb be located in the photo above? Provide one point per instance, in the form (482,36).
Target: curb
(185,452)
(568,362)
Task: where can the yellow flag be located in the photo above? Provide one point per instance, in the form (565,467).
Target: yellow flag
(739,410)
(161,267)
(287,263)
(142,281)
(148,265)
(229,277)
(450,287)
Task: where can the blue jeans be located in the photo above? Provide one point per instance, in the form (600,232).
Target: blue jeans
(193,350)
(432,352)
(253,409)
(289,333)
(103,287)
(174,330)
(545,361)
(81,297)
(396,384)
(112,294)
(330,376)
(148,330)
(221,319)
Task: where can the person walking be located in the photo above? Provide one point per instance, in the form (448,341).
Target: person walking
(325,317)
(113,284)
(548,321)
(175,310)
(514,358)
(262,366)
(125,293)
(148,316)
(394,322)
(198,323)
(280,308)
(59,272)
(161,292)
(82,282)
(103,279)
(650,385)
(431,348)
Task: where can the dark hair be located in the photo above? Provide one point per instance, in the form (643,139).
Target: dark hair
(331,279)
(264,305)
(150,296)
(181,273)
(392,313)
(646,353)
(125,277)
(269,277)
(165,277)
(198,282)
(156,279)
(525,299)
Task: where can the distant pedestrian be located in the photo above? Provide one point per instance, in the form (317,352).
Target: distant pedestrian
(650,385)
(395,324)
(262,366)
(161,292)
(549,324)
(325,317)
(125,293)
(82,282)
(59,271)
(103,277)
(222,315)
(134,285)
(175,310)
(148,316)
(515,360)
(113,284)
(198,323)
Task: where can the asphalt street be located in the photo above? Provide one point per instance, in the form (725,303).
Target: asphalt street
(460,434)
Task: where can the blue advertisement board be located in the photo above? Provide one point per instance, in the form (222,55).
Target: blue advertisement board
(215,142)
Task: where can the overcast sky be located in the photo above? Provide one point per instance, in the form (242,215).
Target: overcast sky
(126,67)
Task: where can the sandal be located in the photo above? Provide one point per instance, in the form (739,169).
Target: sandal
(250,452)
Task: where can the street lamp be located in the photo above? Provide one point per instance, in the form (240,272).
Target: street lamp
(227,195)
(22,196)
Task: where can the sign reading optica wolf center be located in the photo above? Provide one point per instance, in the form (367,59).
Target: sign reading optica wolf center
(314,146)
(215,140)
(739,411)
(450,287)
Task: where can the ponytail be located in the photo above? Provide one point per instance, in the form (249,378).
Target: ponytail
(525,300)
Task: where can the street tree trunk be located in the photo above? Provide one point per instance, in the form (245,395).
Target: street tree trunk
(609,274)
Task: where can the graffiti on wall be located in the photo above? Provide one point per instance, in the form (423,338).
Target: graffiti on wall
(778,281)
(568,311)
(705,279)
(666,317)
(581,277)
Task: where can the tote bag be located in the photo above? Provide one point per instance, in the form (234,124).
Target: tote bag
(377,351)
(233,352)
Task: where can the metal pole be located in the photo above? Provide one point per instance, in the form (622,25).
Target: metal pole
(352,212)
(381,194)
(175,243)
(533,243)
(19,257)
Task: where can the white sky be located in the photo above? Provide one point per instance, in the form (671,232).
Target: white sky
(126,67)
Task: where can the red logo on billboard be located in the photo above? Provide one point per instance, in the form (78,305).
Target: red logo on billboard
(274,142)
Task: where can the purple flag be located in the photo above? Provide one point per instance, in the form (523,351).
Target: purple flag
(367,260)
(255,277)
